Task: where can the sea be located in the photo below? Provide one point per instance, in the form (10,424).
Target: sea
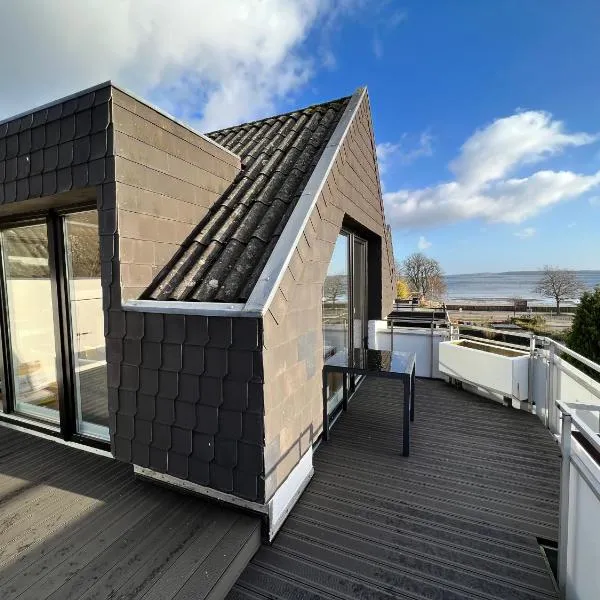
(487,287)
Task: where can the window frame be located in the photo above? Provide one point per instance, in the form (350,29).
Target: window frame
(57,256)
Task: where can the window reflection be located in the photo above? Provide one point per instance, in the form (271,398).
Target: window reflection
(85,296)
(335,311)
(31,318)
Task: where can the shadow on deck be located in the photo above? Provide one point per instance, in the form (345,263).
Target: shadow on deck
(458,519)
(75,525)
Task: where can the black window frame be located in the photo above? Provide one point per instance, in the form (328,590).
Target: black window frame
(67,428)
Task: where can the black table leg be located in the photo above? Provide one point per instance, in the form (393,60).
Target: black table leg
(325,411)
(406,419)
(345,391)
(412,393)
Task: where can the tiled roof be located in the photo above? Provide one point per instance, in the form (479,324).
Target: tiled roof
(223,257)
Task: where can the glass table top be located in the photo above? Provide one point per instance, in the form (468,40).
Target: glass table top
(373,361)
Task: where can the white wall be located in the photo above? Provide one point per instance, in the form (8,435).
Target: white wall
(420,341)
(583,549)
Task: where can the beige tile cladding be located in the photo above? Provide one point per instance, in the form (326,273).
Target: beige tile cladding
(167,179)
(293,353)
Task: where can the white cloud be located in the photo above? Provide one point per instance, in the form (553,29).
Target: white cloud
(214,63)
(389,153)
(527,137)
(377,47)
(525,233)
(423,243)
(482,187)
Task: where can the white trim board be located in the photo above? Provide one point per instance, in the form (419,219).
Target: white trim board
(275,510)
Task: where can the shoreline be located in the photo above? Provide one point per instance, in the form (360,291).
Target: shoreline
(508,302)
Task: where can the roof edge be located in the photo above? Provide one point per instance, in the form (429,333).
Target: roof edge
(267,284)
(57,101)
(123,90)
(169,116)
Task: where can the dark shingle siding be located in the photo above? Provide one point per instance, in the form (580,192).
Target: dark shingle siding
(162,404)
(57,148)
(223,257)
(192,407)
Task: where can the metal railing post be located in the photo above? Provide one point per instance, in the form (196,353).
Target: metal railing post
(530,374)
(563,525)
(431,351)
(550,386)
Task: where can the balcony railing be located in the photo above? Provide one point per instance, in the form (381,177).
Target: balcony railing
(567,401)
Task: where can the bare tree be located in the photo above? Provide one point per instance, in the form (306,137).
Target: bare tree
(424,275)
(334,287)
(559,284)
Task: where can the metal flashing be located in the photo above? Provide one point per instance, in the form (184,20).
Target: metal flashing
(274,270)
(276,509)
(209,309)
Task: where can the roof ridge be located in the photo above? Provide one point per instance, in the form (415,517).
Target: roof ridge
(280,115)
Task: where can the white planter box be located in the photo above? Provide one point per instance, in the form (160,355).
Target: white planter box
(495,368)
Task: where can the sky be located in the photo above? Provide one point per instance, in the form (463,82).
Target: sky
(486,114)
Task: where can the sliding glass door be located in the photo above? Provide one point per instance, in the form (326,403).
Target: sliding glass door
(336,312)
(344,305)
(53,333)
(359,292)
(31,308)
(82,246)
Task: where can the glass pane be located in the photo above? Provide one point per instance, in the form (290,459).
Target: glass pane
(335,312)
(87,322)
(2,382)
(31,316)
(359,292)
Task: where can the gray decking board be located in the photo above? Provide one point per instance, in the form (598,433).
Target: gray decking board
(78,525)
(457,519)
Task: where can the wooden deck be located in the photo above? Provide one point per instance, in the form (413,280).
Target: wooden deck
(458,519)
(75,525)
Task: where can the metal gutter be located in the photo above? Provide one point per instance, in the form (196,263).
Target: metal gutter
(264,291)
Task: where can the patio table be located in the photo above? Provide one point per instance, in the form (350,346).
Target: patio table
(375,363)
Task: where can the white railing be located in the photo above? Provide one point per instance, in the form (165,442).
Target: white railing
(423,341)
(579,526)
(567,401)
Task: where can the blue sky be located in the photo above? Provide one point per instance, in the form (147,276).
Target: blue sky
(486,113)
(447,69)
